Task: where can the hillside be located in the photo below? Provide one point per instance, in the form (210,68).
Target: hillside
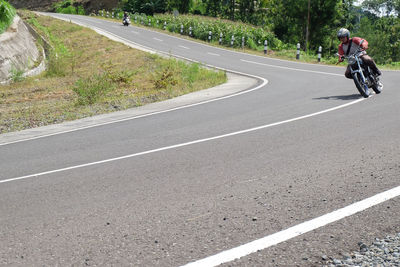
(47,5)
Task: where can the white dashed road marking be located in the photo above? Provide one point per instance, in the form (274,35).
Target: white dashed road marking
(287,68)
(157,39)
(213,54)
(184,47)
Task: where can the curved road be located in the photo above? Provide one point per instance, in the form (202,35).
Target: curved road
(299,168)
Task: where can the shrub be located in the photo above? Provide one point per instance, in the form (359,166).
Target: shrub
(202,25)
(17,75)
(67,7)
(7,13)
(89,90)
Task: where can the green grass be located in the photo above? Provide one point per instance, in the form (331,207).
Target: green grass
(89,74)
(7,13)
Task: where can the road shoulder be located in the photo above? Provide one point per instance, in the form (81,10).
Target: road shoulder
(236,83)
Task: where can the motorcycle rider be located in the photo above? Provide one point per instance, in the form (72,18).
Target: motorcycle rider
(126,16)
(349,46)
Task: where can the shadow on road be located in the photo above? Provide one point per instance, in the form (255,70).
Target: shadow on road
(340,97)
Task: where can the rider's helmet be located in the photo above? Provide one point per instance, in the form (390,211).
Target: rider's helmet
(343,32)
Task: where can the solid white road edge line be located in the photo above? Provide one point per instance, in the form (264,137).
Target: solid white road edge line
(287,68)
(302,228)
(183,144)
(264,82)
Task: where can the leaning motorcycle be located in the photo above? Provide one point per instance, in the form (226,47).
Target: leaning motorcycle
(126,21)
(362,74)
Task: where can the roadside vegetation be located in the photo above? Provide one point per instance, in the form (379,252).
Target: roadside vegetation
(309,23)
(68,7)
(88,74)
(7,13)
(283,24)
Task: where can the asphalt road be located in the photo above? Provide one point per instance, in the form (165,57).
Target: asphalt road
(177,187)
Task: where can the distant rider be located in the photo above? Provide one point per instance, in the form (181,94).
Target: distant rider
(126,16)
(355,43)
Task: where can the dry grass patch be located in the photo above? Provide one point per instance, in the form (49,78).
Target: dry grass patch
(88,74)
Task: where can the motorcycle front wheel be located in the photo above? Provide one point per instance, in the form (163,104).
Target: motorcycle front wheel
(362,87)
(377,87)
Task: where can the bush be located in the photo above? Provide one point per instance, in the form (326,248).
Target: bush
(89,90)
(202,25)
(67,7)
(7,13)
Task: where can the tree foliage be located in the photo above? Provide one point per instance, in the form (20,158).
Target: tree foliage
(292,21)
(382,7)
(148,7)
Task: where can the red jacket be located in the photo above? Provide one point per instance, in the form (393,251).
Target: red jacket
(357,43)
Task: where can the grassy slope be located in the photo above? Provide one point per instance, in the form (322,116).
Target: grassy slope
(86,60)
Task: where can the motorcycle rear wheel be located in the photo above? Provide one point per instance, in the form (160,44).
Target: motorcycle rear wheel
(361,86)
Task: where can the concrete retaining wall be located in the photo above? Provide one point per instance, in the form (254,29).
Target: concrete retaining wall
(18,50)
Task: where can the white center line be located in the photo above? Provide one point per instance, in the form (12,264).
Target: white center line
(287,68)
(134,32)
(183,144)
(302,228)
(157,39)
(184,47)
(213,54)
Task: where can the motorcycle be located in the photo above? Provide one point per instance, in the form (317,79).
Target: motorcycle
(126,21)
(362,74)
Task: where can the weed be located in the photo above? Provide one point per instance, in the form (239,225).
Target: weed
(56,65)
(165,79)
(115,75)
(89,90)
(17,75)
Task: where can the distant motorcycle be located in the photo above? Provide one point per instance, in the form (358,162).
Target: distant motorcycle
(362,74)
(126,21)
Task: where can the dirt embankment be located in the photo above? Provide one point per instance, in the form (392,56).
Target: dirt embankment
(47,5)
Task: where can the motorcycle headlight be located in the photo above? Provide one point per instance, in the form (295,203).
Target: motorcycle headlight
(351,60)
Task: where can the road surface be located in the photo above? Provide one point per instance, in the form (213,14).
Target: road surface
(296,167)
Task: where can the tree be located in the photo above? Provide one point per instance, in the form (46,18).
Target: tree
(246,9)
(383,7)
(149,7)
(289,19)
(213,7)
(181,5)
(383,36)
